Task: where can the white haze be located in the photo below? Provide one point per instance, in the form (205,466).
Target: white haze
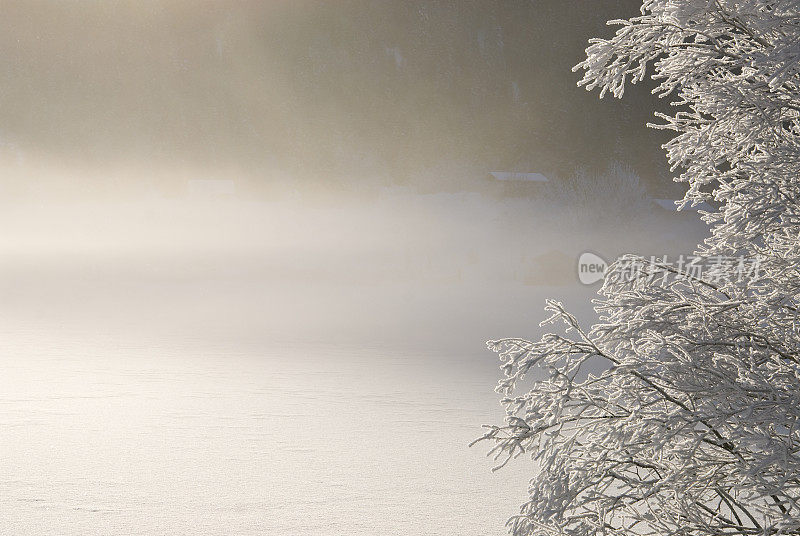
(291,364)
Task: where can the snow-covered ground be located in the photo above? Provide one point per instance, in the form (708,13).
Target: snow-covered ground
(273,367)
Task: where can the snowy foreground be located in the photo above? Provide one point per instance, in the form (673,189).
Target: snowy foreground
(264,370)
(108,437)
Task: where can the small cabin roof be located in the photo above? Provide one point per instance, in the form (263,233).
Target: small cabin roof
(517,176)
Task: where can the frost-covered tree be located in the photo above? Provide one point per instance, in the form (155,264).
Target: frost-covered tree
(692,426)
(615,196)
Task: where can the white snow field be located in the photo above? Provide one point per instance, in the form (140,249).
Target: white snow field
(268,368)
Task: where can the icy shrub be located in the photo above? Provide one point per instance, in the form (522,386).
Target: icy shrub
(606,198)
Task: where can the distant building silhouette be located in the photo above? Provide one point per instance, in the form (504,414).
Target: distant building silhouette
(671,206)
(518,184)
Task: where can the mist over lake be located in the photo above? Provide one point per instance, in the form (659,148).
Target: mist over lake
(241,367)
(251,254)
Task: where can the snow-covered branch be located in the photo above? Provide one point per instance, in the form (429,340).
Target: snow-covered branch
(691,428)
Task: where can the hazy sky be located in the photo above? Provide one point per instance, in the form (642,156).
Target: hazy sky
(353,91)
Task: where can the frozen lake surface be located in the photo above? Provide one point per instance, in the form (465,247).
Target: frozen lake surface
(116,420)
(104,437)
(248,374)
